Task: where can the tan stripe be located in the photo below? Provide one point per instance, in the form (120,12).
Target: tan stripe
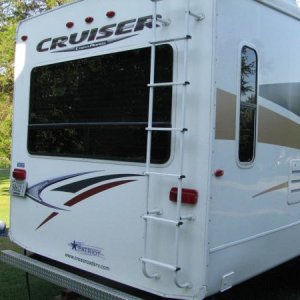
(273,128)
(225,115)
(272,189)
(277,130)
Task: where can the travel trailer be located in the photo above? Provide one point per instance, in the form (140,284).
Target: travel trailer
(156,145)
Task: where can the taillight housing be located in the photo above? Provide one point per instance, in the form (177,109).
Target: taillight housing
(70,24)
(110,14)
(219,173)
(188,196)
(89,20)
(19,174)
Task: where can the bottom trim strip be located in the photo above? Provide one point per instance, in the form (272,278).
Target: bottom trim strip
(248,239)
(63,278)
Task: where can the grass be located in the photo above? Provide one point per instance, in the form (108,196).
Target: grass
(4,196)
(12,280)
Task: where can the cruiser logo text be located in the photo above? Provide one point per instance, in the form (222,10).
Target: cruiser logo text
(96,37)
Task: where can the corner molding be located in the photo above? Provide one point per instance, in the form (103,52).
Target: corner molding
(288,9)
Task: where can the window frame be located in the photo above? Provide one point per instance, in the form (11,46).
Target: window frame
(108,160)
(240,105)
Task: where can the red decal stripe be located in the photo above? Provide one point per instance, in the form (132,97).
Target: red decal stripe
(51,216)
(95,191)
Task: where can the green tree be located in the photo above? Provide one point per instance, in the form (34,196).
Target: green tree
(11,13)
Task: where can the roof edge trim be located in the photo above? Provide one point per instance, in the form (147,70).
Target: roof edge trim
(289,9)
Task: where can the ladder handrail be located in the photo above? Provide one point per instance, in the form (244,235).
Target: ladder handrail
(181,131)
(149,135)
(181,151)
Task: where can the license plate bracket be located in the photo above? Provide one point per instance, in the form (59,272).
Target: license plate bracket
(18,188)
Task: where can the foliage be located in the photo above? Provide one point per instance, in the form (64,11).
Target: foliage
(4,197)
(12,12)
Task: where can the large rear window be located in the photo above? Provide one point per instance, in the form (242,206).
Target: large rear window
(97,107)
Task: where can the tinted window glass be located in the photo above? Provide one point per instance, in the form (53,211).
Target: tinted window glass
(248,104)
(98,107)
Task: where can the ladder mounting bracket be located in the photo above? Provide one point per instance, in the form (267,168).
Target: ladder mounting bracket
(148,275)
(157,212)
(187,218)
(164,22)
(198,17)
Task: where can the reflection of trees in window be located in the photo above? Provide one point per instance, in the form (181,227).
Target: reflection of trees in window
(97,107)
(248,104)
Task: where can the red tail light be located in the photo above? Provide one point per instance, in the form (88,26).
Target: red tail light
(89,20)
(219,173)
(70,24)
(19,174)
(188,196)
(110,14)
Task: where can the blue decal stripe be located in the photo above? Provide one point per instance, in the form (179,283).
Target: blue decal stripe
(74,187)
(34,192)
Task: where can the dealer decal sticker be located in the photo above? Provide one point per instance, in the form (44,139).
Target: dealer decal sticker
(80,248)
(84,249)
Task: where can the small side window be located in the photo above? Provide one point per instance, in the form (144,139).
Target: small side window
(248,105)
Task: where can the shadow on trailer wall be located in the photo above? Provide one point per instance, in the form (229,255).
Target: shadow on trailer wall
(280,283)
(274,284)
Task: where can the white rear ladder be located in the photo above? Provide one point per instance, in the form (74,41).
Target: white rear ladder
(155,215)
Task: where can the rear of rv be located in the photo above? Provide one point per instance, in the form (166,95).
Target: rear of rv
(111,141)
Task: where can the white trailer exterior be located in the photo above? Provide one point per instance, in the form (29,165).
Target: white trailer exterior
(227,134)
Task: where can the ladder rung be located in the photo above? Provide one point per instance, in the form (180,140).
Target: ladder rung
(163,84)
(166,129)
(163,220)
(187,37)
(160,264)
(165,174)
